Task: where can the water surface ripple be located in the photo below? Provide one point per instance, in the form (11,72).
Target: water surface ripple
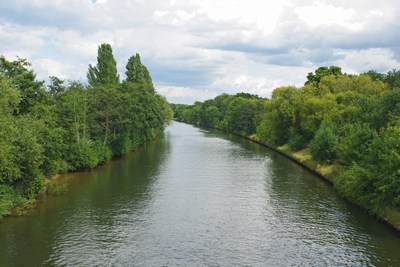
(197,198)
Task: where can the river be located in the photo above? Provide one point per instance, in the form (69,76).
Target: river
(197,197)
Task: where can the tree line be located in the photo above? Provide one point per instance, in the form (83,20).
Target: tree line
(71,126)
(350,122)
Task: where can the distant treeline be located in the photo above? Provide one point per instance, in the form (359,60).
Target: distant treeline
(69,126)
(350,122)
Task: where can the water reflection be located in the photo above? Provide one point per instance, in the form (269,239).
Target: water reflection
(85,226)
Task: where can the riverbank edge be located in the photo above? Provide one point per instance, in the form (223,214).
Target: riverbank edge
(59,188)
(387,215)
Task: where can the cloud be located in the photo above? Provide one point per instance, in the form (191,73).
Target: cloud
(49,67)
(201,48)
(378,59)
(185,95)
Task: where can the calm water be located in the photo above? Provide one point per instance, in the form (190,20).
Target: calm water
(197,198)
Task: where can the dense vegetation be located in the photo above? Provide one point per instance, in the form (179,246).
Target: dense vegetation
(69,126)
(349,123)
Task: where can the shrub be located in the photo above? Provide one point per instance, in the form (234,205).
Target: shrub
(355,142)
(296,140)
(56,189)
(323,146)
(8,200)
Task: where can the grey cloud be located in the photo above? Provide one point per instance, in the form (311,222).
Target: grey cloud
(180,76)
(28,14)
(295,43)
(194,50)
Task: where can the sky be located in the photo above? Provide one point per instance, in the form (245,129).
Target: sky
(198,49)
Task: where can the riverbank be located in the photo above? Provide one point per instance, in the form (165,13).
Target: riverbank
(329,172)
(13,203)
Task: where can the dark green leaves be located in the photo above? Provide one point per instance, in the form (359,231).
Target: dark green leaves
(105,72)
(71,126)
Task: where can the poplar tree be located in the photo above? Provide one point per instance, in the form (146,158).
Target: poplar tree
(137,73)
(105,72)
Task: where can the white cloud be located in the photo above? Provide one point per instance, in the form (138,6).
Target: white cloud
(201,48)
(47,67)
(327,14)
(369,59)
(185,95)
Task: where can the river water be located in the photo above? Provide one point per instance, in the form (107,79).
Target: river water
(197,198)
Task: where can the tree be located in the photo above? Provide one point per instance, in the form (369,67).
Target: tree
(137,73)
(322,72)
(72,110)
(375,76)
(105,72)
(104,109)
(384,163)
(281,114)
(243,115)
(355,142)
(393,78)
(24,79)
(323,146)
(56,87)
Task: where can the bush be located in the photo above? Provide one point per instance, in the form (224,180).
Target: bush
(56,189)
(355,142)
(296,140)
(266,133)
(103,153)
(323,146)
(357,184)
(82,155)
(9,198)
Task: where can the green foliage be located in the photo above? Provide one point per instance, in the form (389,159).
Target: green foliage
(33,96)
(243,115)
(56,189)
(265,133)
(238,114)
(375,76)
(70,126)
(8,200)
(384,163)
(323,146)
(282,114)
(56,87)
(82,155)
(355,141)
(357,184)
(392,78)
(105,72)
(297,140)
(137,73)
(315,78)
(212,116)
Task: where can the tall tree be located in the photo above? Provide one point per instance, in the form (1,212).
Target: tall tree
(105,72)
(137,73)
